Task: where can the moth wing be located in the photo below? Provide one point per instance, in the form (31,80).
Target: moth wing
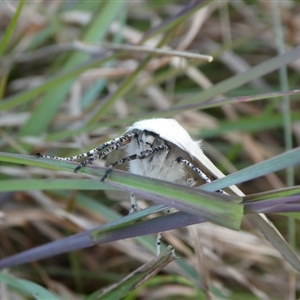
(187,175)
(206,165)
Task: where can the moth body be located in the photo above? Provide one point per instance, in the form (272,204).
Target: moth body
(164,165)
(161,165)
(158,148)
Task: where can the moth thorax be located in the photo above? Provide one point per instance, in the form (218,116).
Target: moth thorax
(146,140)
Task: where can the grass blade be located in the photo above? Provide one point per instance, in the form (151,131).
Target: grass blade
(136,278)
(10,29)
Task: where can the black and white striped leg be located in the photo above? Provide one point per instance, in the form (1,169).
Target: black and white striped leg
(141,155)
(181,160)
(158,237)
(158,243)
(119,142)
(133,207)
(97,152)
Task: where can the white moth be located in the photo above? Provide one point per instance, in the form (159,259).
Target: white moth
(157,148)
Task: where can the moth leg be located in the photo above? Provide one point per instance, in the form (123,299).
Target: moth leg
(133,207)
(117,143)
(158,243)
(158,237)
(141,155)
(181,160)
(96,153)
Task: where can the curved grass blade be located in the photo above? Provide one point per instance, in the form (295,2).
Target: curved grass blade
(37,291)
(27,287)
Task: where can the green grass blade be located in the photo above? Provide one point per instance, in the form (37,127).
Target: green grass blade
(279,162)
(28,287)
(11,27)
(37,291)
(240,79)
(11,281)
(280,193)
(11,185)
(24,97)
(55,97)
(136,278)
(215,207)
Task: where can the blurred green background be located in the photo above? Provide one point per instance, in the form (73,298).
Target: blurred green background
(65,89)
